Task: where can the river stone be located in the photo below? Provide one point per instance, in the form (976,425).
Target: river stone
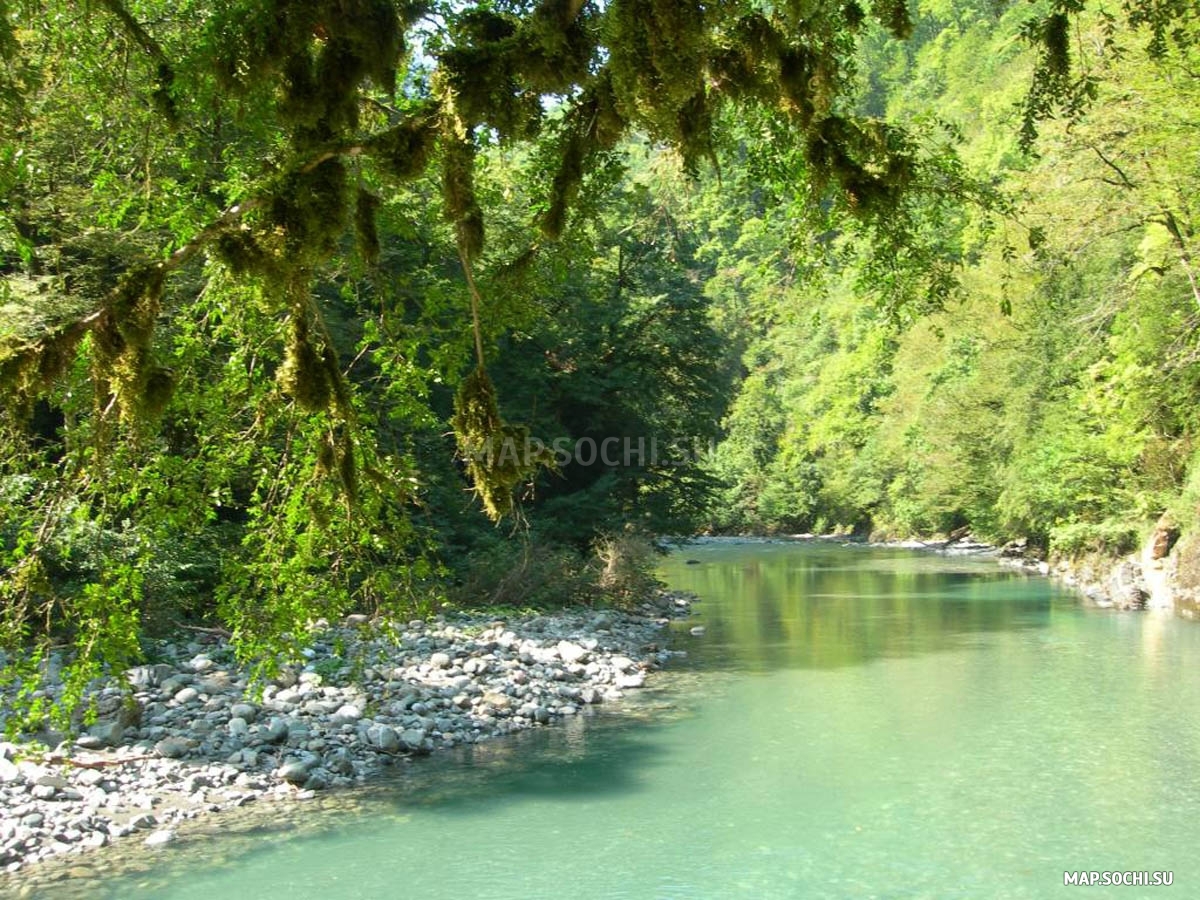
(160,838)
(440,660)
(142,677)
(497,700)
(245,711)
(385,738)
(173,747)
(276,731)
(8,771)
(341,762)
(186,695)
(108,734)
(632,680)
(346,715)
(294,771)
(412,738)
(317,781)
(173,685)
(570,652)
(217,684)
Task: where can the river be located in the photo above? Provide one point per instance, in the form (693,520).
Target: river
(852,722)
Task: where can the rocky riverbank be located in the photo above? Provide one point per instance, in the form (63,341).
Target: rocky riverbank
(187,734)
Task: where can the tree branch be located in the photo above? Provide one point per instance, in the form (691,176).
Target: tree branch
(1112,165)
(139,34)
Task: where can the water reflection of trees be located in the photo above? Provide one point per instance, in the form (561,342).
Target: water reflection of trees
(816,607)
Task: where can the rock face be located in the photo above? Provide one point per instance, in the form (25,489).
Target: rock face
(1166,534)
(190,737)
(1147,579)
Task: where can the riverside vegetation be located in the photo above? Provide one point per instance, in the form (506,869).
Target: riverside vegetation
(281,282)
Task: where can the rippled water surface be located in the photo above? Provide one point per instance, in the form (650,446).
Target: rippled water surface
(853,722)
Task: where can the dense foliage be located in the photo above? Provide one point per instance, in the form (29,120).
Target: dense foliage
(1050,393)
(300,297)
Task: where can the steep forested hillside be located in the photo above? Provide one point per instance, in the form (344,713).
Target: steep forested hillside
(1050,393)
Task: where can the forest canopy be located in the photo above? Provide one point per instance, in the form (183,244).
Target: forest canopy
(282,280)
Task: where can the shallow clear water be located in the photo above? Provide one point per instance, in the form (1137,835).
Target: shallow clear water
(853,723)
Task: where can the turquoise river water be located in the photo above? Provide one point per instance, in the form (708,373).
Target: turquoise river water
(853,722)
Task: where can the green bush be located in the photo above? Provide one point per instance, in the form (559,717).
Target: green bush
(1112,537)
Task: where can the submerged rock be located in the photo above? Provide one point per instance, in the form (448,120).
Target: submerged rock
(160,838)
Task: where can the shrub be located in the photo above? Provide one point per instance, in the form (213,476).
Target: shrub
(1111,538)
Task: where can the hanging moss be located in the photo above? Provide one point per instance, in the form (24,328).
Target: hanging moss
(339,71)
(606,126)
(29,371)
(758,39)
(122,336)
(326,456)
(796,67)
(403,150)
(658,55)
(310,209)
(241,251)
(310,372)
(303,375)
(555,47)
(163,96)
(458,191)
(494,453)
(137,302)
(1056,40)
(54,355)
(853,13)
(480,26)
(871,162)
(372,31)
(256,38)
(333,371)
(365,208)
(487,89)
(253,39)
(565,185)
(301,105)
(893,15)
(695,133)
(483,75)
(157,393)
